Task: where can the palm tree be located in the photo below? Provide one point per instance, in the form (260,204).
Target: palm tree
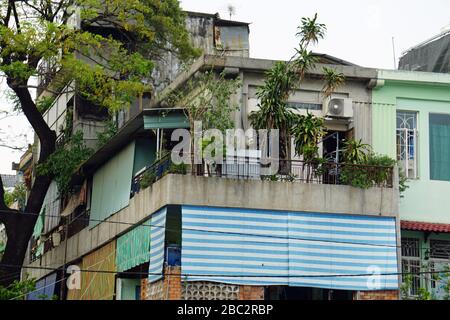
(281,80)
(333,80)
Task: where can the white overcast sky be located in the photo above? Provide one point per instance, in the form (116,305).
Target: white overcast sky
(359,31)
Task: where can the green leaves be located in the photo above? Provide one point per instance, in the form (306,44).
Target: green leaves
(307,132)
(17,290)
(63,163)
(333,80)
(281,81)
(207,98)
(310,31)
(112,64)
(17,70)
(356,152)
(44,103)
(17,195)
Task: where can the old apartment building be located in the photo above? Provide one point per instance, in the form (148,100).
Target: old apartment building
(140,228)
(234,235)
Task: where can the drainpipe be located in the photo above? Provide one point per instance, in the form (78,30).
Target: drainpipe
(376,83)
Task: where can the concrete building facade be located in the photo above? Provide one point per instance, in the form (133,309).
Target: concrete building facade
(135,226)
(166,226)
(410,122)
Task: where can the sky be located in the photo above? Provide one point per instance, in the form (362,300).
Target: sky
(359,31)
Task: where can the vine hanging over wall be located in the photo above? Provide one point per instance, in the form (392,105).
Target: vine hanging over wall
(65,161)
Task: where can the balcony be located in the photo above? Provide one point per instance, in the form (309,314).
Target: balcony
(293,171)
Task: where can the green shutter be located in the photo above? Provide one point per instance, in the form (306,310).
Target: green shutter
(145,154)
(39,226)
(169,121)
(133,248)
(111,185)
(440,147)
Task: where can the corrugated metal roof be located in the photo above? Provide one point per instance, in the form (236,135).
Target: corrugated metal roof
(425,226)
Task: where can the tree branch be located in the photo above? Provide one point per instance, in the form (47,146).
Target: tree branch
(16,16)
(8,15)
(12,147)
(47,137)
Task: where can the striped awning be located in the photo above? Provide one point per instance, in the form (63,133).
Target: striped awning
(157,245)
(133,248)
(258,247)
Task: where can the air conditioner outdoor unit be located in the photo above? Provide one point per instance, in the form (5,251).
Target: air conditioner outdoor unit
(338,108)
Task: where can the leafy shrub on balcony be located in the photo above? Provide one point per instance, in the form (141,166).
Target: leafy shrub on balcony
(178,169)
(148,178)
(371,170)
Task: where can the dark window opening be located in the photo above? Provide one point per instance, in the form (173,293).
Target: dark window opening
(300,293)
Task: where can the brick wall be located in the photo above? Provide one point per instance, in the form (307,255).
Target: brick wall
(170,288)
(251,293)
(376,295)
(172,283)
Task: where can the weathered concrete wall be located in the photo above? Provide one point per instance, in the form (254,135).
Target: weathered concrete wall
(218,192)
(211,38)
(310,91)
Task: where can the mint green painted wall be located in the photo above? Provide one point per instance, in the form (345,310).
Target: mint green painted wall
(383,124)
(128,288)
(111,185)
(425,200)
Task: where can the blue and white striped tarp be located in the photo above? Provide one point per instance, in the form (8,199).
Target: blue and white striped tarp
(256,247)
(157,239)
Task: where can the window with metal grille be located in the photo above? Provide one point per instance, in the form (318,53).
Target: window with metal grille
(407,148)
(439,272)
(411,263)
(411,268)
(440,249)
(410,247)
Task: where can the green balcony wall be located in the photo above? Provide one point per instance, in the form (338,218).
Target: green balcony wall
(425,93)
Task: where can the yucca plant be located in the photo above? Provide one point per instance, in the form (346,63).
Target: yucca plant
(356,152)
(280,82)
(333,80)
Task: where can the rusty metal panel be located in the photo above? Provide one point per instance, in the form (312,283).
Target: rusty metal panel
(233,40)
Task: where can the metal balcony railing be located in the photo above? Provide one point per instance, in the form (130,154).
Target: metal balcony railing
(295,171)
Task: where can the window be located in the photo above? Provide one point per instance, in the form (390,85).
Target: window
(440,147)
(440,249)
(407,143)
(439,262)
(304,106)
(411,263)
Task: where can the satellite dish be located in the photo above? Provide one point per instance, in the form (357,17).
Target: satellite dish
(336,107)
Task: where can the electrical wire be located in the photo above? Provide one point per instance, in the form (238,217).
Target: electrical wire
(232,233)
(39,289)
(137,273)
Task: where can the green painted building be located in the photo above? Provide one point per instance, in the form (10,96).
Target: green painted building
(411,122)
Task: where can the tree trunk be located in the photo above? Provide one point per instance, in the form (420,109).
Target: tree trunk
(19,228)
(285,164)
(19,225)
